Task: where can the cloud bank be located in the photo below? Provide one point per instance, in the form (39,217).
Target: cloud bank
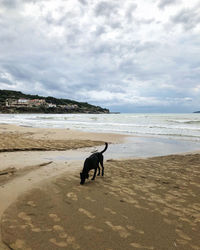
(128,56)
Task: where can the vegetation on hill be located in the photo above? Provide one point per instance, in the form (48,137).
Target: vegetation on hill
(82,107)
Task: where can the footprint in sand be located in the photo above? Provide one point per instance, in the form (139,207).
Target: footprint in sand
(24,216)
(121,230)
(90,199)
(195,247)
(183,235)
(28,222)
(109,210)
(24,226)
(12,226)
(58,243)
(58,228)
(31,203)
(136,245)
(87,213)
(72,196)
(20,244)
(54,217)
(132,228)
(66,239)
(92,228)
(181,241)
(63,235)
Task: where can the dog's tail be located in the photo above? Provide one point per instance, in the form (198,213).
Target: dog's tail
(104,148)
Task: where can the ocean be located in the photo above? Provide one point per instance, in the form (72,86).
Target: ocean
(151,134)
(183,126)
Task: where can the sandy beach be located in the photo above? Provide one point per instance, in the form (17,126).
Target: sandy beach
(149,203)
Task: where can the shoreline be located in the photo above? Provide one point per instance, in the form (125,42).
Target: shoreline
(166,126)
(60,135)
(44,189)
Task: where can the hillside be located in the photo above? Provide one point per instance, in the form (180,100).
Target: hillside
(41,104)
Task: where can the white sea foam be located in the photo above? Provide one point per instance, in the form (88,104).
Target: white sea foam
(168,125)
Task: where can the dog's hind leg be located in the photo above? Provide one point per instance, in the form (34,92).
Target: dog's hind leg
(98,170)
(101,162)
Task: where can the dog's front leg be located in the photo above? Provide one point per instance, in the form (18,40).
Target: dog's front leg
(95,172)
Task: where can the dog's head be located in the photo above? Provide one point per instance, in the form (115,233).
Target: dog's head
(83,176)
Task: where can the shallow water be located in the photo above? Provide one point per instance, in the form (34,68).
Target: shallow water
(132,148)
(150,146)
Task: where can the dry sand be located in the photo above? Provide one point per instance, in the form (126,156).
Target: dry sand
(139,204)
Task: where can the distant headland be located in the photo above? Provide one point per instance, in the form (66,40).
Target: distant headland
(18,102)
(196,112)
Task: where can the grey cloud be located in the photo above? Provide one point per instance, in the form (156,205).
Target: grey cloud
(59,21)
(105,9)
(4,80)
(33,1)
(100,30)
(188,18)
(163,3)
(10,4)
(146,46)
(102,48)
(130,11)
(19,72)
(84,2)
(144,21)
(115,25)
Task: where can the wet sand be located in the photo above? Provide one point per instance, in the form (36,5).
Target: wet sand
(17,138)
(139,204)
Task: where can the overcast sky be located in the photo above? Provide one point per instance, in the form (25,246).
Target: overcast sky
(125,55)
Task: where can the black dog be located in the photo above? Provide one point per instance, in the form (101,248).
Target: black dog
(92,162)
